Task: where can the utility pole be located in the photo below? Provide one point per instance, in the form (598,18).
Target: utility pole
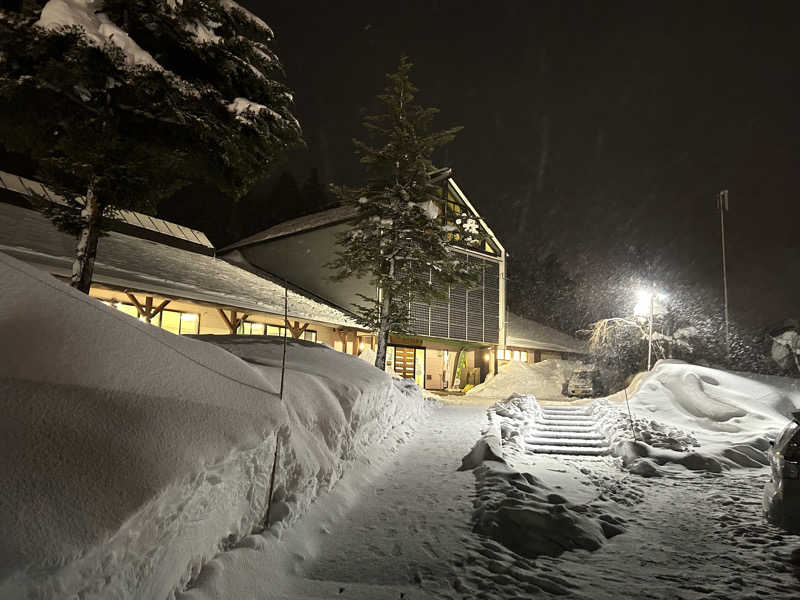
(722,204)
(650,335)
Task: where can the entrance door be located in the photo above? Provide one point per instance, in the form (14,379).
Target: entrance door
(404,362)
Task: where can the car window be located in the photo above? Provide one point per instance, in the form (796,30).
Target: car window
(787,434)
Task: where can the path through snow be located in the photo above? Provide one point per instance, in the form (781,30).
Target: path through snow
(410,522)
(401,527)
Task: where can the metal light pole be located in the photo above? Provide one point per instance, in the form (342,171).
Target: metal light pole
(650,335)
(722,204)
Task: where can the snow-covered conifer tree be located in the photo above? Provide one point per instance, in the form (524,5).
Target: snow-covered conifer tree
(122,103)
(398,235)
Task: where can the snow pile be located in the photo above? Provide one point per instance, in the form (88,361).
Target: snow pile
(133,456)
(703,418)
(545,380)
(518,510)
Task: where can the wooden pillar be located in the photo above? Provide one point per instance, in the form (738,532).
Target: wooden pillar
(147,311)
(234,321)
(296,330)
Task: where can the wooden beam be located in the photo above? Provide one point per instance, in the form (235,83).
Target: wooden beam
(139,307)
(147,311)
(148,307)
(234,321)
(296,330)
(222,314)
(159,308)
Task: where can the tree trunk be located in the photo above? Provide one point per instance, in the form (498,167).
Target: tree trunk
(86,250)
(385,321)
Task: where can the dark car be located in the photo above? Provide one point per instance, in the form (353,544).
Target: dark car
(782,492)
(584,383)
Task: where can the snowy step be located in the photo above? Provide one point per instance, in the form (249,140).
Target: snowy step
(577,422)
(568,418)
(565,428)
(565,409)
(550,449)
(584,435)
(545,441)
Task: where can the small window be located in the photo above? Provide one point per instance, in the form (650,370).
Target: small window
(516,354)
(523,356)
(190,324)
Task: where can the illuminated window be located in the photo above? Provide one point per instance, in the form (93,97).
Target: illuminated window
(173,321)
(523,356)
(190,323)
(516,354)
(276,330)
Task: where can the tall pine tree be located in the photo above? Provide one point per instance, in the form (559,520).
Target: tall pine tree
(122,103)
(398,233)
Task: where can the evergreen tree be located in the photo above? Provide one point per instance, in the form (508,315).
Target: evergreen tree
(397,234)
(122,103)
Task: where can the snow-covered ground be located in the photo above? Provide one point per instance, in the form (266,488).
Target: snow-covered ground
(138,462)
(133,456)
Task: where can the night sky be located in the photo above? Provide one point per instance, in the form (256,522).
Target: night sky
(601,131)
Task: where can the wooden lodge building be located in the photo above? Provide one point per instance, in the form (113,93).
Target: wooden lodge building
(172,277)
(168,275)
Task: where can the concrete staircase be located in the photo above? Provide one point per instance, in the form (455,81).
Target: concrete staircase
(566,430)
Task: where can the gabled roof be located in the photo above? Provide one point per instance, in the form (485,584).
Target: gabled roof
(342,214)
(125,220)
(129,262)
(526,333)
(332,216)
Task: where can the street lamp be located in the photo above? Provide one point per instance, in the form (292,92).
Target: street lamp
(645,305)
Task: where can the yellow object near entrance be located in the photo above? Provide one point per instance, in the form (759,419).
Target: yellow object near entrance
(467,388)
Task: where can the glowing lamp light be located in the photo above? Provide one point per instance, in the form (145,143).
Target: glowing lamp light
(188,317)
(487,356)
(361,346)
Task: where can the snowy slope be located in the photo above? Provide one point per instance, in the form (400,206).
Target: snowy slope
(133,456)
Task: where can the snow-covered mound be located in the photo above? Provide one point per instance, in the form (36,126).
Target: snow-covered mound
(545,380)
(132,456)
(704,418)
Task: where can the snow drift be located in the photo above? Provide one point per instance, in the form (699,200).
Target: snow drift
(702,418)
(134,455)
(545,380)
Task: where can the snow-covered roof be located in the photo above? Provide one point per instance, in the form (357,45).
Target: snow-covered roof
(341,214)
(525,333)
(125,261)
(29,188)
(298,225)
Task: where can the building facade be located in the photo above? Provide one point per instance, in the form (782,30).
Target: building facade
(451,342)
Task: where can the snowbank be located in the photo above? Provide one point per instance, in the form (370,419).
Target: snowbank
(133,455)
(545,380)
(703,418)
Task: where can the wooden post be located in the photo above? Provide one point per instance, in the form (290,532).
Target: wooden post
(296,330)
(233,322)
(147,311)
